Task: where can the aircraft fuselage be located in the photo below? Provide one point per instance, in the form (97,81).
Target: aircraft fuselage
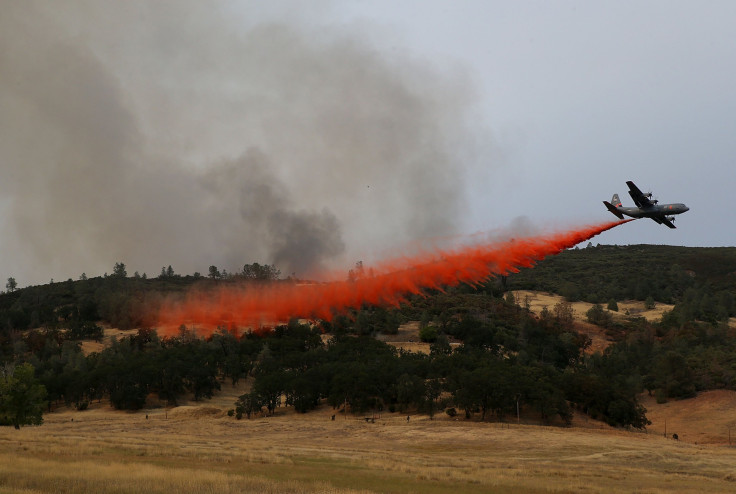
(657,210)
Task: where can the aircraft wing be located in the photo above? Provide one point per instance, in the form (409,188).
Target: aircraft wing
(662,220)
(667,222)
(638,196)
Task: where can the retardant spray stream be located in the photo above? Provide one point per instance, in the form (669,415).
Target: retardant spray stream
(388,284)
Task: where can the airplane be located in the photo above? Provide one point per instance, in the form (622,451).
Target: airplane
(646,207)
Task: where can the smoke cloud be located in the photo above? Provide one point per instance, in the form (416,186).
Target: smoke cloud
(158,133)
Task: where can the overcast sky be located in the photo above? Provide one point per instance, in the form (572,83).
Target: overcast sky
(316,134)
(581,96)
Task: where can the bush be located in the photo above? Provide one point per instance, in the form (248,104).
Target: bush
(428,334)
(612,305)
(596,315)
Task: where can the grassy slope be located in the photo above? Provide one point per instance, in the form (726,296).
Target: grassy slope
(200,449)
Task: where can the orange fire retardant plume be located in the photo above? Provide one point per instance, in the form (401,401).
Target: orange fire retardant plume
(258,305)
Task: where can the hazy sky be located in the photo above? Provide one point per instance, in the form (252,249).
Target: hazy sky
(316,134)
(581,96)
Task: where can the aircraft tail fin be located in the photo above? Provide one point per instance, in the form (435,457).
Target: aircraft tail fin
(613,209)
(616,201)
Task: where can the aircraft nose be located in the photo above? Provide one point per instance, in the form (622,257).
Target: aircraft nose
(685,208)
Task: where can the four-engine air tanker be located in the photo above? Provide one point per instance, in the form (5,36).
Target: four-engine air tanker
(646,207)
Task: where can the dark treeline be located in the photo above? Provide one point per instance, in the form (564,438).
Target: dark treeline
(117,299)
(508,361)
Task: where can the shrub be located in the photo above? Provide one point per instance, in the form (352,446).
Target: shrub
(428,334)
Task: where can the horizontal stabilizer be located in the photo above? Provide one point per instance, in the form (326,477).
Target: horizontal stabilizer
(612,209)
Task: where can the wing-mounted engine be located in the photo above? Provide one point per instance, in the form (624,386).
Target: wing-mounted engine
(670,218)
(650,195)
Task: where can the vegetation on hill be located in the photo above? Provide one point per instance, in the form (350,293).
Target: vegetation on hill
(505,360)
(700,281)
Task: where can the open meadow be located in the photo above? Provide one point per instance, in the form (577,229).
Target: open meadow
(198,448)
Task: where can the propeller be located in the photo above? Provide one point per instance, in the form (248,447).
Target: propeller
(650,195)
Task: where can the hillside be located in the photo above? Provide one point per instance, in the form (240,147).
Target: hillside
(705,419)
(483,352)
(604,272)
(597,404)
(680,276)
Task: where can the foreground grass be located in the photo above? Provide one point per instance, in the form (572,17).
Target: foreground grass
(193,449)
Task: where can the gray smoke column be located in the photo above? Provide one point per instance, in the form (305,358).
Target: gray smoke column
(158,133)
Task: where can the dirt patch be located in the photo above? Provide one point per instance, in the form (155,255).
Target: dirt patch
(408,332)
(407,338)
(89,346)
(599,341)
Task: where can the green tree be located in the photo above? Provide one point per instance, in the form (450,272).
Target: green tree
(119,270)
(428,334)
(564,314)
(247,404)
(673,376)
(214,273)
(11,285)
(410,390)
(596,315)
(22,398)
(612,305)
(264,272)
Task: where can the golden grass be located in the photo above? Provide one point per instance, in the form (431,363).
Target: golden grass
(705,419)
(199,449)
(537,300)
(89,346)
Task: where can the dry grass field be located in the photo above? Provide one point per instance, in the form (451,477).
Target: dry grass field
(706,419)
(538,300)
(198,448)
